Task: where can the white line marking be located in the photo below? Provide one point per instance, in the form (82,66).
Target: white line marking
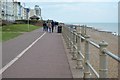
(20,55)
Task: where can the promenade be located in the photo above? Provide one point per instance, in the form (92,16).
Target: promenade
(46,58)
(40,54)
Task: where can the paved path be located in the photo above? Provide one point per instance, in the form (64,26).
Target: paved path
(45,59)
(13,47)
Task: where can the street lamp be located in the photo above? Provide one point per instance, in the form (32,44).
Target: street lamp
(28,9)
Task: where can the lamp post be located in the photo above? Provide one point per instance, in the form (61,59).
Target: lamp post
(28,9)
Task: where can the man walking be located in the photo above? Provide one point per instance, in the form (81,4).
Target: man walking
(53,24)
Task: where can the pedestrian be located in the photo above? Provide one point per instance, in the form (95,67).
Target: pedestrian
(44,26)
(56,24)
(53,24)
(49,27)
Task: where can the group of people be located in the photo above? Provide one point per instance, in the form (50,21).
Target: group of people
(49,26)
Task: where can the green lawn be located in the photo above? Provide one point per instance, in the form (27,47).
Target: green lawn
(14,30)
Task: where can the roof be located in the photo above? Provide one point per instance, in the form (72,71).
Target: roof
(34,17)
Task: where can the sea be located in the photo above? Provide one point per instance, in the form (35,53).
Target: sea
(110,27)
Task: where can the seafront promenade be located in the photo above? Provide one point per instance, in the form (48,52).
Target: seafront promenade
(45,58)
(40,54)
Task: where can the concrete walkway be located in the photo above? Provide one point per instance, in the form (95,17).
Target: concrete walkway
(45,59)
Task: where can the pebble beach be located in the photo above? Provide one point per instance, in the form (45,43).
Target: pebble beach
(112,40)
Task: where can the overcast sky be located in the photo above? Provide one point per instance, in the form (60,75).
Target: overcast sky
(78,11)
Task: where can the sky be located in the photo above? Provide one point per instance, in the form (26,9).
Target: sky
(77,11)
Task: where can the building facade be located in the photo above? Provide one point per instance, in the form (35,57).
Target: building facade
(7,10)
(38,11)
(0,10)
(24,13)
(32,12)
(12,10)
(3,8)
(35,12)
(17,11)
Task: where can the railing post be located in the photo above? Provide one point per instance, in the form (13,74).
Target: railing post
(71,38)
(83,31)
(79,58)
(103,66)
(63,32)
(68,30)
(87,58)
(74,56)
(68,33)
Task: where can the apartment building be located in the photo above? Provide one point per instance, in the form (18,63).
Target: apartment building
(3,9)
(25,14)
(7,10)
(12,10)
(35,12)
(32,12)
(17,10)
(0,13)
(38,11)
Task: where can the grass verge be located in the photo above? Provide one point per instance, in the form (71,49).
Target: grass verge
(11,31)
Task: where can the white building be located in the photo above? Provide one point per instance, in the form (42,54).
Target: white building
(3,8)
(25,14)
(38,11)
(0,10)
(32,12)
(7,10)
(0,13)
(10,10)
(17,10)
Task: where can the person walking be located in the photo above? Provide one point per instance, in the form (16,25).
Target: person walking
(44,25)
(53,24)
(56,24)
(49,27)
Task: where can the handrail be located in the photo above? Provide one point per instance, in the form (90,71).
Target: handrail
(82,37)
(94,44)
(75,46)
(71,35)
(112,55)
(95,72)
(81,54)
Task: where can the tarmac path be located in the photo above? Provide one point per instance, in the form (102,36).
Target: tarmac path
(45,59)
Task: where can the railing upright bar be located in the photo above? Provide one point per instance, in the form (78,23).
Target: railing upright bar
(103,66)
(71,45)
(79,57)
(74,56)
(66,38)
(69,38)
(87,58)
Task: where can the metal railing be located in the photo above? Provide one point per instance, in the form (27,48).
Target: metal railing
(73,38)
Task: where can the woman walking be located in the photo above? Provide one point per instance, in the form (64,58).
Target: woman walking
(49,26)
